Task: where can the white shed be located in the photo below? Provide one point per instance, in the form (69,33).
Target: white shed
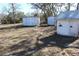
(68,23)
(31,21)
(51,20)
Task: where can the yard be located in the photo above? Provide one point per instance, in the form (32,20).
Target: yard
(32,41)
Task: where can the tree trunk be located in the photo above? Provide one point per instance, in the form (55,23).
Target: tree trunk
(13,9)
(45,16)
(68,7)
(78,6)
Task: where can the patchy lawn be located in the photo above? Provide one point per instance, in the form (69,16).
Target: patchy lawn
(35,41)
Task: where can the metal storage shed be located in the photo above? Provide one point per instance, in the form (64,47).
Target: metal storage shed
(51,20)
(68,23)
(31,21)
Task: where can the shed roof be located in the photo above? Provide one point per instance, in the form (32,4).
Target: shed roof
(69,15)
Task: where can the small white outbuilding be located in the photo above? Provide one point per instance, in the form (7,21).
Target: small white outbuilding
(31,21)
(68,23)
(51,20)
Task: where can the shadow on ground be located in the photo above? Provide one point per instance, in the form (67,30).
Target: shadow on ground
(53,40)
(58,40)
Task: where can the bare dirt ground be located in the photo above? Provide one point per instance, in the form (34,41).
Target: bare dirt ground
(36,41)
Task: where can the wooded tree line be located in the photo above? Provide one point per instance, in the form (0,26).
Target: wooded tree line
(52,9)
(47,9)
(13,15)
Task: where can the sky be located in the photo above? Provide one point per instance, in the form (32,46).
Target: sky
(24,7)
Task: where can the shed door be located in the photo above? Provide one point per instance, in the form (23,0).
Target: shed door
(63,28)
(73,29)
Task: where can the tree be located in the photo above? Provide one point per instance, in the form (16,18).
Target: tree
(77,6)
(47,9)
(13,7)
(68,6)
(13,15)
(19,16)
